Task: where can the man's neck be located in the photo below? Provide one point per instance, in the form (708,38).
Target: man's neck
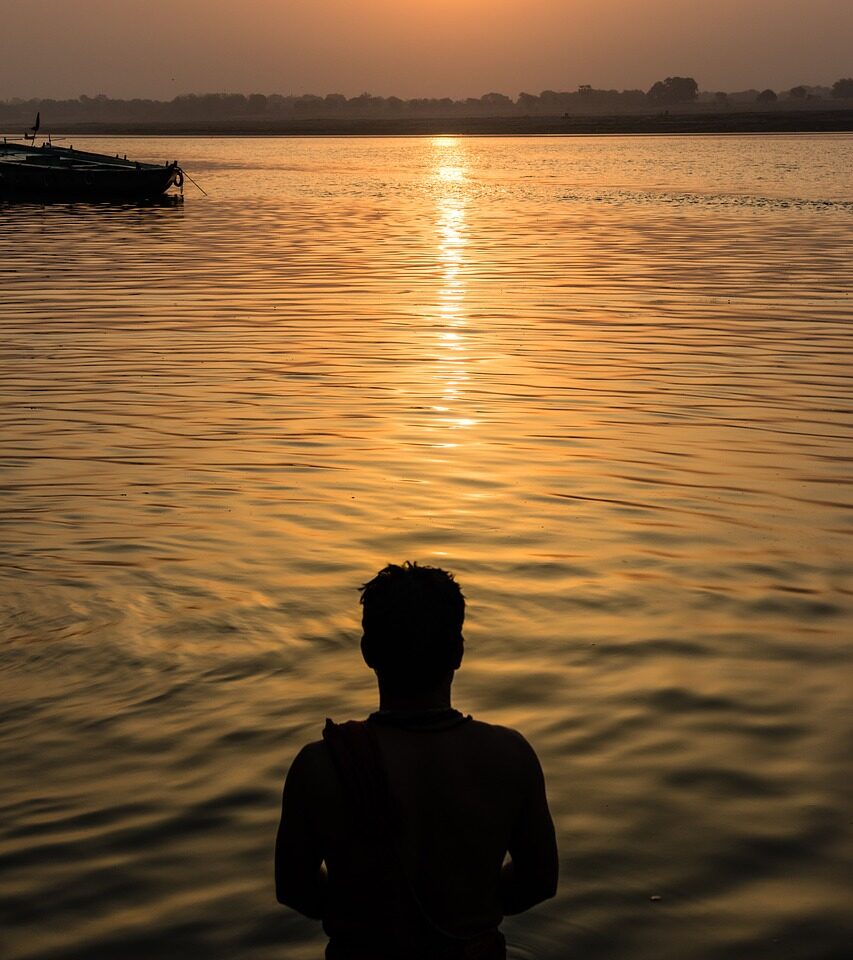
(435,698)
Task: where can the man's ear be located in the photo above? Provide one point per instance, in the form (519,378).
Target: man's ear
(458,663)
(367,652)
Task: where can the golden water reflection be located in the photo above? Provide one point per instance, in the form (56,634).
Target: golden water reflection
(452,370)
(619,411)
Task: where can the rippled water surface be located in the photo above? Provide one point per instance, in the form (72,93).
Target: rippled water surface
(605,381)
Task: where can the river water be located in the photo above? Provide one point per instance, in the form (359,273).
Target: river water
(606,381)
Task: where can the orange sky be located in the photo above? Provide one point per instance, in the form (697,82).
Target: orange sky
(432,48)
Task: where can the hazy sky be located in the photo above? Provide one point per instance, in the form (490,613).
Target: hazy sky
(456,48)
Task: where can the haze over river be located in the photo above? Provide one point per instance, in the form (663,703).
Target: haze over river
(606,381)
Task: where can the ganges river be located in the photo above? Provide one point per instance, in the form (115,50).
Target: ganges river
(605,381)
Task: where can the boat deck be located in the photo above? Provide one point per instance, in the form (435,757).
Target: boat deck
(54,156)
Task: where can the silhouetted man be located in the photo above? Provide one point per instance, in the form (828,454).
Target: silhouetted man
(395,830)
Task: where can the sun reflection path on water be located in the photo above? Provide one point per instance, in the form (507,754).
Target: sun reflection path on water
(453,359)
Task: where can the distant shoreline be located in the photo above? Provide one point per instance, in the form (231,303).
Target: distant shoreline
(806,121)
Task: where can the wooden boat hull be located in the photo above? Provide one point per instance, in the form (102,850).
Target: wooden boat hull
(58,173)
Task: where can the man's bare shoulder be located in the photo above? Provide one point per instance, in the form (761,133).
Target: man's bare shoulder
(498,733)
(311,754)
(505,742)
(312,765)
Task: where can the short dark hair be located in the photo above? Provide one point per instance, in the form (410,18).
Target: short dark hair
(412,621)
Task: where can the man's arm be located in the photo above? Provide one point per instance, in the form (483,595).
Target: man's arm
(531,875)
(300,876)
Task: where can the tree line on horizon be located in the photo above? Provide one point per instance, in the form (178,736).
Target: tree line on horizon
(672,92)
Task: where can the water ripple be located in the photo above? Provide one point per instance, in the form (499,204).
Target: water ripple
(609,391)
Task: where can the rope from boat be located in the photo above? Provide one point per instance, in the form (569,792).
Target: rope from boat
(194,183)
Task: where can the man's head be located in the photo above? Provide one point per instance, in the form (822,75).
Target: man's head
(412,622)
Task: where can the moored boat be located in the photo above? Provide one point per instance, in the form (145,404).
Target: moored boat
(51,172)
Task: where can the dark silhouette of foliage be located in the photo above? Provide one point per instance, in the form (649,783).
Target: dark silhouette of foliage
(260,111)
(498,101)
(674,90)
